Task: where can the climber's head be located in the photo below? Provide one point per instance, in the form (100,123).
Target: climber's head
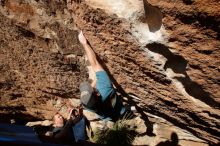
(58,120)
(88,97)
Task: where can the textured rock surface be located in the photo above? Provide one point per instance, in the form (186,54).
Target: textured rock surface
(37,60)
(171,75)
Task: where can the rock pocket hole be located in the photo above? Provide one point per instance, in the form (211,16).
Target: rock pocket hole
(153,17)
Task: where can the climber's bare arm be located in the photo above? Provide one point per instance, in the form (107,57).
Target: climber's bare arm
(93,84)
(90,53)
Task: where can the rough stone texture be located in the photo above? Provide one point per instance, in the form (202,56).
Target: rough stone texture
(171,74)
(40,58)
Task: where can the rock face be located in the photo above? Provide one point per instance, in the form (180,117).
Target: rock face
(169,70)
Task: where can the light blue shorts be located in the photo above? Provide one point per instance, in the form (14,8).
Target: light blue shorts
(103,84)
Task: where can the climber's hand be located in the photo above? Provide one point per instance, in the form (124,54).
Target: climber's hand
(82,38)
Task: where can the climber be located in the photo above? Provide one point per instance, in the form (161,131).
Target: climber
(99,96)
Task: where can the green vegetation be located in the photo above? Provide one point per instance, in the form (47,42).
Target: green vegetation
(120,134)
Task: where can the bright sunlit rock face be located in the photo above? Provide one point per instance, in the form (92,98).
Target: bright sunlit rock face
(142,33)
(132,11)
(122,8)
(170,72)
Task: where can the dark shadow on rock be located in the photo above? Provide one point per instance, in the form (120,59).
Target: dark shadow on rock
(144,117)
(178,64)
(198,122)
(218,144)
(153,17)
(60,93)
(201,19)
(17,118)
(64,64)
(13,108)
(195,90)
(24,32)
(173,142)
(188,2)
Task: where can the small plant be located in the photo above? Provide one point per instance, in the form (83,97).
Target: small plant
(120,134)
